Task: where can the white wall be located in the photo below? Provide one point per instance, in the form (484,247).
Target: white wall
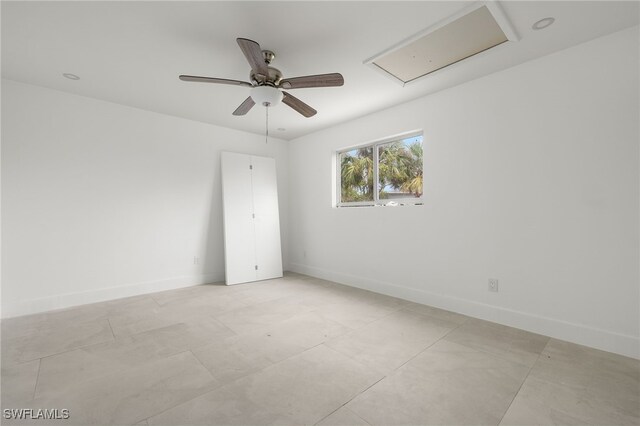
(101,201)
(531,177)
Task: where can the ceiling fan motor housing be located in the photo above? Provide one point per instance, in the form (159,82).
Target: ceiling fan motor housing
(273,79)
(274,75)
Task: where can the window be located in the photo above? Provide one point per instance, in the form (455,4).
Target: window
(388,172)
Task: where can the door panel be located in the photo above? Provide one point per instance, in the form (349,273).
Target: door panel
(239,232)
(267,220)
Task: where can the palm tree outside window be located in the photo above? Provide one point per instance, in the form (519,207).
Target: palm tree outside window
(388,172)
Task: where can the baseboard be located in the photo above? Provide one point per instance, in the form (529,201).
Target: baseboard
(605,340)
(34,306)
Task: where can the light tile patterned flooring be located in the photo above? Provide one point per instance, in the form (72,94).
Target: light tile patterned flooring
(300,350)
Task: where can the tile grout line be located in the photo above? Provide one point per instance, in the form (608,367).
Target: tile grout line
(523,382)
(111,328)
(150,330)
(35,387)
(323,343)
(416,355)
(352,398)
(190,399)
(372,321)
(65,351)
(429,346)
(221,385)
(500,356)
(105,342)
(203,366)
(357,415)
(398,367)
(271,362)
(156,302)
(36,333)
(368,367)
(218,321)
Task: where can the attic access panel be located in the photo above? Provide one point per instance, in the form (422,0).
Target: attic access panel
(459,37)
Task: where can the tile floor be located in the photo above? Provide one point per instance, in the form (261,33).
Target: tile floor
(302,351)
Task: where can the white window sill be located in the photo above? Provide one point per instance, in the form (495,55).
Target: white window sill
(395,203)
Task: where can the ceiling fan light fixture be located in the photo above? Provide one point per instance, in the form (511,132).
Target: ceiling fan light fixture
(266,95)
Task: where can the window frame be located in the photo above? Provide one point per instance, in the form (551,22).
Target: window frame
(376,193)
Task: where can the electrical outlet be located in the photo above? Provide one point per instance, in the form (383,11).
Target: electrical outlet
(196,260)
(304,254)
(493,284)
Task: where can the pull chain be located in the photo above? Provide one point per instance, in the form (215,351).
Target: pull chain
(266,133)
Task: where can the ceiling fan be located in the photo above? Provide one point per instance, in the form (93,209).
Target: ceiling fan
(267,82)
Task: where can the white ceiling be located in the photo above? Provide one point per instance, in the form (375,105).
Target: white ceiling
(132,52)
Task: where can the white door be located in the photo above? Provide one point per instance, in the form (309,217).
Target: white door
(239,234)
(251,218)
(267,218)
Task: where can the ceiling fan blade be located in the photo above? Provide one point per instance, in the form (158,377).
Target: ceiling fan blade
(321,80)
(198,79)
(253,53)
(298,105)
(244,107)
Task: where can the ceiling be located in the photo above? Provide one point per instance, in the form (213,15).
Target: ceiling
(131,53)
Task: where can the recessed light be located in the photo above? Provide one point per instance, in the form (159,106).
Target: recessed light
(543,23)
(281,129)
(70,76)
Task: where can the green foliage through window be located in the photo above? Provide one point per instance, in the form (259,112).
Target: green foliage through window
(357,175)
(399,171)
